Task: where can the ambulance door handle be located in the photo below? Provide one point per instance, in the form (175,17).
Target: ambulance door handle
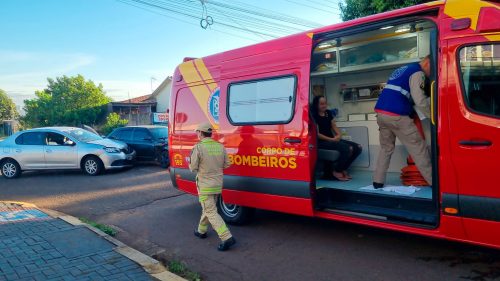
(475,142)
(292,140)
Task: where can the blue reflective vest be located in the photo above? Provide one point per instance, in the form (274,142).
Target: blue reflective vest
(395,97)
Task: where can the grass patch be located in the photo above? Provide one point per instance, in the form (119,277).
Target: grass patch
(102,227)
(180,269)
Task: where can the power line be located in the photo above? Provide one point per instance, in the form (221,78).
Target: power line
(187,13)
(322,4)
(312,7)
(183,21)
(229,15)
(253,10)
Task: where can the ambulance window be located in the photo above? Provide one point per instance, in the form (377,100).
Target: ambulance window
(480,74)
(266,101)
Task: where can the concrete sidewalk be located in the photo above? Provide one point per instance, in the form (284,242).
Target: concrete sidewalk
(45,245)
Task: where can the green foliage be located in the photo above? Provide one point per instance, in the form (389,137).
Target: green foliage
(102,227)
(7,107)
(180,269)
(113,121)
(69,101)
(353,9)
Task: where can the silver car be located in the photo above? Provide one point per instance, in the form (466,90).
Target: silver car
(61,148)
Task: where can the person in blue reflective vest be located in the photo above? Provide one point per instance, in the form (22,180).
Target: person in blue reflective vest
(402,96)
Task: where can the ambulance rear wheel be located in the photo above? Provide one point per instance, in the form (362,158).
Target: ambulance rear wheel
(234,214)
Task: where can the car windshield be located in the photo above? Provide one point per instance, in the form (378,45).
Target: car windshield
(160,133)
(84,135)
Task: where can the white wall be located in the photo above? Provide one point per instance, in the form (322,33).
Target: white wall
(163,98)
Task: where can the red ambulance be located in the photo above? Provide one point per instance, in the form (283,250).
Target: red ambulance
(258,98)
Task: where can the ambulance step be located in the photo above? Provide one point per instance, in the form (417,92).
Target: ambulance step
(388,214)
(394,208)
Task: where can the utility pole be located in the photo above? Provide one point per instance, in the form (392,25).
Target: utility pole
(152,78)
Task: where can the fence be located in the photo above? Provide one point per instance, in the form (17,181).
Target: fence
(7,128)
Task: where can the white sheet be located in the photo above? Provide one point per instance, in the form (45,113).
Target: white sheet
(405,190)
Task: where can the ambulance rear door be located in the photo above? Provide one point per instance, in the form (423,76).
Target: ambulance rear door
(265,127)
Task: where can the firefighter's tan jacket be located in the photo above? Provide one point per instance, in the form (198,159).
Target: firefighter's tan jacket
(208,159)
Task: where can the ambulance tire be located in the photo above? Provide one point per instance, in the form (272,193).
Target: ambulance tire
(234,214)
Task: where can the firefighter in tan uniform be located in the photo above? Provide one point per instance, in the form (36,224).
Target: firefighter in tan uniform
(208,159)
(402,96)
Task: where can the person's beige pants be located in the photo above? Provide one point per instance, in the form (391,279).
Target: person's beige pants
(405,130)
(210,215)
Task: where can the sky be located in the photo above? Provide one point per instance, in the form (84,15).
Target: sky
(113,43)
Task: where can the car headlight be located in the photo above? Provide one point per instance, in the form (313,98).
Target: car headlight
(112,150)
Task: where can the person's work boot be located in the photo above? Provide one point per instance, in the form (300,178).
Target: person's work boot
(224,246)
(377,185)
(200,235)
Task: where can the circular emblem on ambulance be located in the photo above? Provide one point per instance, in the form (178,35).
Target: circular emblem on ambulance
(398,72)
(213,105)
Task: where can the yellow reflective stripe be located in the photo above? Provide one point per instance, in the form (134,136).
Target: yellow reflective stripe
(209,189)
(205,74)
(205,190)
(455,9)
(202,228)
(221,229)
(200,92)
(202,198)
(213,148)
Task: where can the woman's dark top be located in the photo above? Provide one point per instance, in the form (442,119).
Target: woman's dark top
(325,124)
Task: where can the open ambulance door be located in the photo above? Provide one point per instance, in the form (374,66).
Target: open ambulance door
(265,127)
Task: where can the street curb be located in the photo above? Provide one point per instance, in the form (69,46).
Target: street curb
(155,269)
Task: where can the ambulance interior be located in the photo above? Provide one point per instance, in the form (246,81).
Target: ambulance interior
(350,71)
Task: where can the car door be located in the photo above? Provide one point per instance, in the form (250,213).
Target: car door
(60,152)
(126,135)
(474,134)
(143,141)
(29,150)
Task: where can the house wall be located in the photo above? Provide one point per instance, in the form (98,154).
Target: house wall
(163,98)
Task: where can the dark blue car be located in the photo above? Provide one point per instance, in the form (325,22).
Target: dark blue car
(150,142)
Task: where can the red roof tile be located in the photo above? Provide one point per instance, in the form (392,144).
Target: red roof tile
(145,98)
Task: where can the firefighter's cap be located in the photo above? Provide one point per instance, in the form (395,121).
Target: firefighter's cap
(205,127)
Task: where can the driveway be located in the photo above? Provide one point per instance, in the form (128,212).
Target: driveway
(142,203)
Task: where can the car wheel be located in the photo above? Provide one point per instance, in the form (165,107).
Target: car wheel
(10,169)
(164,160)
(234,214)
(92,166)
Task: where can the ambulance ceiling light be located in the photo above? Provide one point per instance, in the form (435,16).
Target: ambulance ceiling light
(324,45)
(401,29)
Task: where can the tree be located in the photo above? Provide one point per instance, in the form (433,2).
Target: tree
(69,101)
(352,9)
(113,121)
(7,107)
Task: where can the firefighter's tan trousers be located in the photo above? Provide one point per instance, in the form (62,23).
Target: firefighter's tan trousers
(406,131)
(210,215)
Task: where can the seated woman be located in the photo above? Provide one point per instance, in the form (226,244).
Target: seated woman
(329,137)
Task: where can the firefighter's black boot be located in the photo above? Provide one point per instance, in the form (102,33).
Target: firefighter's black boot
(224,246)
(200,235)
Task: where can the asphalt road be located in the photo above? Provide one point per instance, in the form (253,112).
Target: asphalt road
(153,216)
